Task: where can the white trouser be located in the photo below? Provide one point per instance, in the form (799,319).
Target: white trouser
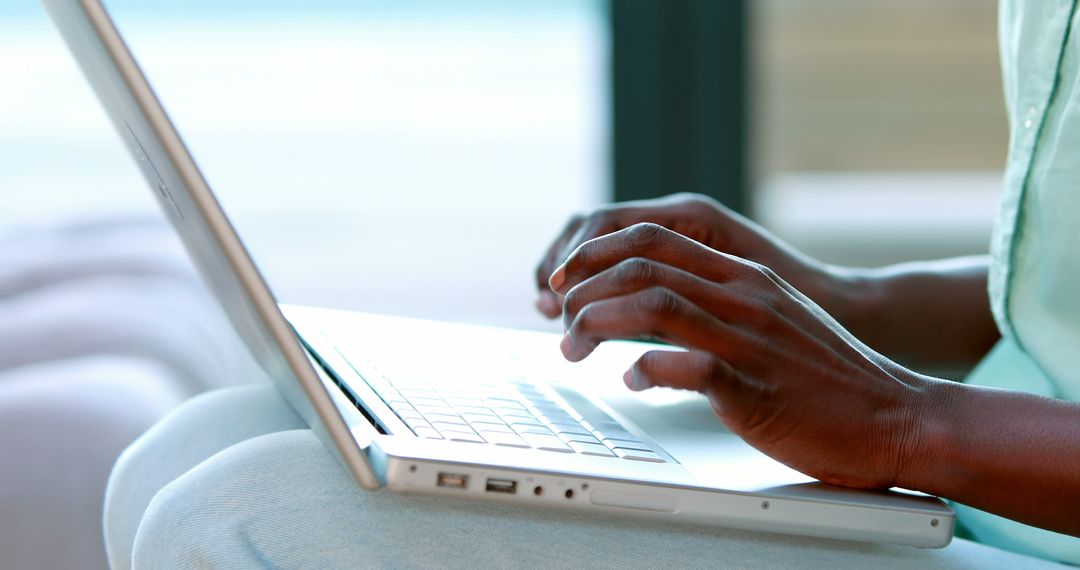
(233,479)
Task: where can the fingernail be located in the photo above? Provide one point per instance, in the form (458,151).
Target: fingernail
(628,379)
(557,278)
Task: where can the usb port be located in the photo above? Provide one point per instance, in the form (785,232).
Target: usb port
(453,480)
(508,486)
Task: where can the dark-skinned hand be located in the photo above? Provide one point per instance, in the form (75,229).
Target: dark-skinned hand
(777,369)
(695,216)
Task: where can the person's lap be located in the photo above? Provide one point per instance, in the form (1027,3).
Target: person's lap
(234,479)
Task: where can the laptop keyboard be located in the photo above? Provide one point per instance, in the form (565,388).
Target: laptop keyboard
(516,414)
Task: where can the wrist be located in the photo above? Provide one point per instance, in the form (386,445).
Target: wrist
(927,450)
(851,296)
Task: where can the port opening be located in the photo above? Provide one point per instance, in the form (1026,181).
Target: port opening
(452,480)
(508,486)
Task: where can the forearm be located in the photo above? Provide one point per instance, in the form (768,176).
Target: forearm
(928,315)
(1012,454)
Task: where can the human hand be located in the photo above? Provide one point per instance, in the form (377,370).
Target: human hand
(777,369)
(699,218)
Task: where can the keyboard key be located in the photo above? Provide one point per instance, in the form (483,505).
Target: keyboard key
(462,436)
(590,449)
(615,434)
(540,430)
(407,413)
(396,401)
(504,439)
(403,382)
(435,402)
(451,426)
(542,405)
(448,392)
(418,423)
(504,403)
(477,417)
(433,408)
(546,442)
(604,426)
(548,409)
(427,432)
(491,426)
(626,444)
(519,414)
(459,402)
(559,418)
(445,418)
(524,421)
(419,394)
(509,410)
(526,388)
(638,455)
(564,428)
(511,413)
(568,437)
(474,410)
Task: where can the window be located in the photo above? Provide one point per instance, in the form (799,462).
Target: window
(879,126)
(411,157)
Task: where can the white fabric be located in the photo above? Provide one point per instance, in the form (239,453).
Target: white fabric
(233,479)
(104,327)
(62,424)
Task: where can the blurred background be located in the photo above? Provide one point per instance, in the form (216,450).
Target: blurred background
(415,157)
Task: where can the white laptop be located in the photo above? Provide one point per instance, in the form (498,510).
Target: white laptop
(472,412)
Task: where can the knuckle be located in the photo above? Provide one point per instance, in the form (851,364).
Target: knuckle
(635,270)
(762,272)
(761,319)
(583,255)
(573,301)
(582,321)
(692,199)
(660,302)
(746,270)
(698,203)
(644,233)
(713,369)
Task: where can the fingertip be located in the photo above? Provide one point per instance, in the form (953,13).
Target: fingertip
(558,278)
(628,379)
(636,379)
(548,305)
(574,353)
(564,346)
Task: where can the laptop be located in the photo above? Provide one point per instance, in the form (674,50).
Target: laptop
(472,412)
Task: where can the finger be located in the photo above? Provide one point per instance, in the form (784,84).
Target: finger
(694,370)
(654,313)
(644,240)
(638,273)
(548,302)
(599,223)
